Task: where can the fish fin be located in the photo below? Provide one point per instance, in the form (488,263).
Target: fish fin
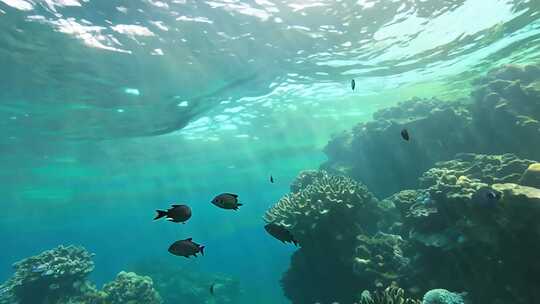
(202,250)
(189,239)
(170,219)
(239,204)
(212,288)
(186,256)
(295,243)
(235,208)
(175,206)
(160,214)
(232,194)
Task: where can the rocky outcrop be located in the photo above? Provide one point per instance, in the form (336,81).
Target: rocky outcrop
(502,117)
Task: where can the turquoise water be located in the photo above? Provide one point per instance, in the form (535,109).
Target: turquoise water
(112,109)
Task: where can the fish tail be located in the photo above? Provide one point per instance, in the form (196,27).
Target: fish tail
(160,214)
(202,250)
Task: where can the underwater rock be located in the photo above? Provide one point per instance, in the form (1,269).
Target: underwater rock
(443,296)
(391,295)
(128,287)
(531,176)
(46,277)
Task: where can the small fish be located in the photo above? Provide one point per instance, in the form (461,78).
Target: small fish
(271,179)
(279,232)
(227,201)
(186,248)
(212,288)
(175,214)
(486,197)
(405,134)
(353,84)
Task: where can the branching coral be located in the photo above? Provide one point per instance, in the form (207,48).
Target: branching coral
(391,295)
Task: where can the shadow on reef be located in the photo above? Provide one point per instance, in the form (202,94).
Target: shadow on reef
(59,276)
(468,223)
(504,110)
(182,284)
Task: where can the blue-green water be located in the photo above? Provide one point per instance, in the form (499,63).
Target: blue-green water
(112,109)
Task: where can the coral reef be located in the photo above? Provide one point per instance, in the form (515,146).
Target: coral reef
(485,247)
(128,287)
(336,222)
(182,284)
(50,275)
(59,276)
(503,111)
(391,295)
(443,296)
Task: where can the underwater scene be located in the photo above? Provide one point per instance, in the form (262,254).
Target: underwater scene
(270,151)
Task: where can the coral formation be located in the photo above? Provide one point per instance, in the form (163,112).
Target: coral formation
(502,111)
(128,287)
(59,276)
(335,220)
(48,276)
(462,206)
(478,243)
(531,176)
(391,295)
(443,296)
(379,258)
(327,201)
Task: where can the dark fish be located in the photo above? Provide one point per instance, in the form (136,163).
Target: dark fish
(212,288)
(486,197)
(271,179)
(227,201)
(176,214)
(186,248)
(279,232)
(353,84)
(405,134)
